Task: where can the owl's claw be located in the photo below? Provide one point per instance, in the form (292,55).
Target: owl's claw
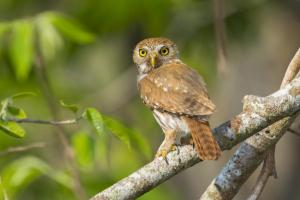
(161,153)
(175,147)
(164,152)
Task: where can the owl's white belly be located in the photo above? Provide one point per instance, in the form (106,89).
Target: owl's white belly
(169,121)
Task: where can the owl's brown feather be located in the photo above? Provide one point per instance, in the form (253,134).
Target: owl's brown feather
(177,96)
(176,88)
(203,139)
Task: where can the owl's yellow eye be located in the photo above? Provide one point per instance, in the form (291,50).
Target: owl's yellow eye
(142,52)
(164,51)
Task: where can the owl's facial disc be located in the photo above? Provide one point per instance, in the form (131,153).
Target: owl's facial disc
(154,52)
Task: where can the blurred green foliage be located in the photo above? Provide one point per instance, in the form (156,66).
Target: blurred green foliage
(39,38)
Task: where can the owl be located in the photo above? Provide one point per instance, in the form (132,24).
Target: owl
(177,96)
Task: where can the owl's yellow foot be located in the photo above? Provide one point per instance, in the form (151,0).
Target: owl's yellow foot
(175,147)
(168,145)
(163,152)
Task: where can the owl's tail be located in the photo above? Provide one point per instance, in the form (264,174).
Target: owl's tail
(206,145)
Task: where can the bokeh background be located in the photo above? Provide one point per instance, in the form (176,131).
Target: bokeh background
(91,65)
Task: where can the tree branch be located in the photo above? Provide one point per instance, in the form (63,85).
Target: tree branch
(252,152)
(243,163)
(267,170)
(293,131)
(258,113)
(269,166)
(292,70)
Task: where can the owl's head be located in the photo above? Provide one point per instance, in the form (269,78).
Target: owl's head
(152,53)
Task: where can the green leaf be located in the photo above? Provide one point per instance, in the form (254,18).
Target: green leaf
(70,28)
(16,112)
(129,136)
(118,129)
(21,48)
(83,147)
(49,40)
(22,172)
(12,129)
(95,118)
(71,107)
(22,95)
(4,106)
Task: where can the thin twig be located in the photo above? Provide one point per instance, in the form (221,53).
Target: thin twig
(294,132)
(220,35)
(38,121)
(22,148)
(292,70)
(266,171)
(269,167)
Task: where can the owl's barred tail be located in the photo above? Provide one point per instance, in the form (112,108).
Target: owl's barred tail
(204,141)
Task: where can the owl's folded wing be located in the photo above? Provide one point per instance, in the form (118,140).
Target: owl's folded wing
(177,89)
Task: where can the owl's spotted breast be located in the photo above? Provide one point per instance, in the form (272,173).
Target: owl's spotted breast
(177,89)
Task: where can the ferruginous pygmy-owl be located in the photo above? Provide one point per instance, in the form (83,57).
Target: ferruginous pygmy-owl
(177,96)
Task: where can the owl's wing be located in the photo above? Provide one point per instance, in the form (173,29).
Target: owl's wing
(176,88)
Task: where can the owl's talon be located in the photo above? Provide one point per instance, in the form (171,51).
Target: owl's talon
(166,159)
(175,147)
(161,153)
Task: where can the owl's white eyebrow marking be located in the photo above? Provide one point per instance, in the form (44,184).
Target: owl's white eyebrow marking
(145,47)
(158,47)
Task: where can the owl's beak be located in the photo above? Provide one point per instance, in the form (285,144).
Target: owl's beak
(153,59)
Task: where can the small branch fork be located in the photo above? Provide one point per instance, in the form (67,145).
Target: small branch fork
(252,152)
(269,166)
(266,118)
